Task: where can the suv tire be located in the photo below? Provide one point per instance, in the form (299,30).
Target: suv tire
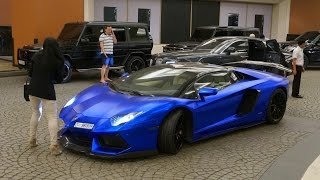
(134,63)
(67,71)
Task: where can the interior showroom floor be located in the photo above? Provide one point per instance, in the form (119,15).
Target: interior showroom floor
(283,151)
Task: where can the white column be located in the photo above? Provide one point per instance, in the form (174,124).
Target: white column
(280,20)
(88,10)
(155,17)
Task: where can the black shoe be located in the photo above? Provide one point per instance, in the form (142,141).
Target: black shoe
(297,96)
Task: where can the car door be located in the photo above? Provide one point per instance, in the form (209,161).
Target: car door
(139,40)
(89,48)
(120,49)
(215,113)
(273,53)
(256,50)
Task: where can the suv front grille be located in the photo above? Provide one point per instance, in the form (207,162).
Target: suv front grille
(25,54)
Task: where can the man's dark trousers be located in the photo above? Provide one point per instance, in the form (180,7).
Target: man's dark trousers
(296,81)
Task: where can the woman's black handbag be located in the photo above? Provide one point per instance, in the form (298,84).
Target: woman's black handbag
(26,89)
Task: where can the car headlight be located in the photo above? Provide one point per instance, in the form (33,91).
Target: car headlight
(71,101)
(159,61)
(118,120)
(171,62)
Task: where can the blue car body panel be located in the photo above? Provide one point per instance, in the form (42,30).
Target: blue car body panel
(211,116)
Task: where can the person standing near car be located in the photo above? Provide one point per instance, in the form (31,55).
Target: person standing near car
(297,68)
(107,40)
(46,68)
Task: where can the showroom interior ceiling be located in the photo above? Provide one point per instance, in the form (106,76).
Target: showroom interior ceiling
(256,1)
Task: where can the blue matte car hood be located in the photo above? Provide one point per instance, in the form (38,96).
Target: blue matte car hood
(100,102)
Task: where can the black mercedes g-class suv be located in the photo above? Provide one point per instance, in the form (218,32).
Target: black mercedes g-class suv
(79,42)
(203,33)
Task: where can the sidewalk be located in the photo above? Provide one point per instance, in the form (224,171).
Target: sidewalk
(7,69)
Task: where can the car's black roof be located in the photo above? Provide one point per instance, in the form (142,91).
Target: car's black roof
(227,27)
(110,23)
(235,38)
(104,23)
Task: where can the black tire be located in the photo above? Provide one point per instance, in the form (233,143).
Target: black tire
(276,106)
(134,63)
(67,71)
(306,62)
(172,133)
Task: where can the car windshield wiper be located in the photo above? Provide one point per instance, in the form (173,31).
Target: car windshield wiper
(133,92)
(137,93)
(113,86)
(121,90)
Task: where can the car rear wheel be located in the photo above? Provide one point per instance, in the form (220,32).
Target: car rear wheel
(276,107)
(172,133)
(134,63)
(67,71)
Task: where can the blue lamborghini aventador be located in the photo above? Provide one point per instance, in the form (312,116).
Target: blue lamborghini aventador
(159,108)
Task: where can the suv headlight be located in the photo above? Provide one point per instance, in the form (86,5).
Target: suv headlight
(122,119)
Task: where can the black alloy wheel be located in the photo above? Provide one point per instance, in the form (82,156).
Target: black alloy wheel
(172,133)
(134,63)
(67,71)
(277,106)
(179,134)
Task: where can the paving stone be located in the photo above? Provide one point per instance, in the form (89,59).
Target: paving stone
(244,154)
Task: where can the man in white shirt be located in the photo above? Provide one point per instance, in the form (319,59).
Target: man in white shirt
(106,39)
(297,68)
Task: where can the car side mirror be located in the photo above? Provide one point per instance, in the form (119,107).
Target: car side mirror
(207,91)
(230,50)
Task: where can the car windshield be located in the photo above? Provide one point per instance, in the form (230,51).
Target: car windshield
(71,32)
(308,36)
(202,34)
(210,44)
(155,81)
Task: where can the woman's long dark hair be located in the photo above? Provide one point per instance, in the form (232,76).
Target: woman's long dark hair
(51,52)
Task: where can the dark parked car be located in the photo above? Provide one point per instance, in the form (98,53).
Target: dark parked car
(224,50)
(203,33)
(311,52)
(307,36)
(79,43)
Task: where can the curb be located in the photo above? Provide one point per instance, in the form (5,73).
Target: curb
(294,163)
(12,73)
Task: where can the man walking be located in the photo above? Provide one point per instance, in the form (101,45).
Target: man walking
(297,68)
(107,40)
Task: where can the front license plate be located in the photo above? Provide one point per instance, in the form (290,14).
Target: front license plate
(83,125)
(22,62)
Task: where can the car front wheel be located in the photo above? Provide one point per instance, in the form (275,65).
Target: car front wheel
(67,71)
(277,106)
(172,133)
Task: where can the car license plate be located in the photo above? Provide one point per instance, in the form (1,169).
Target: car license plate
(83,125)
(22,62)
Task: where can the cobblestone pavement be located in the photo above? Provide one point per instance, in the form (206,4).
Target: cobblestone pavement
(244,154)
